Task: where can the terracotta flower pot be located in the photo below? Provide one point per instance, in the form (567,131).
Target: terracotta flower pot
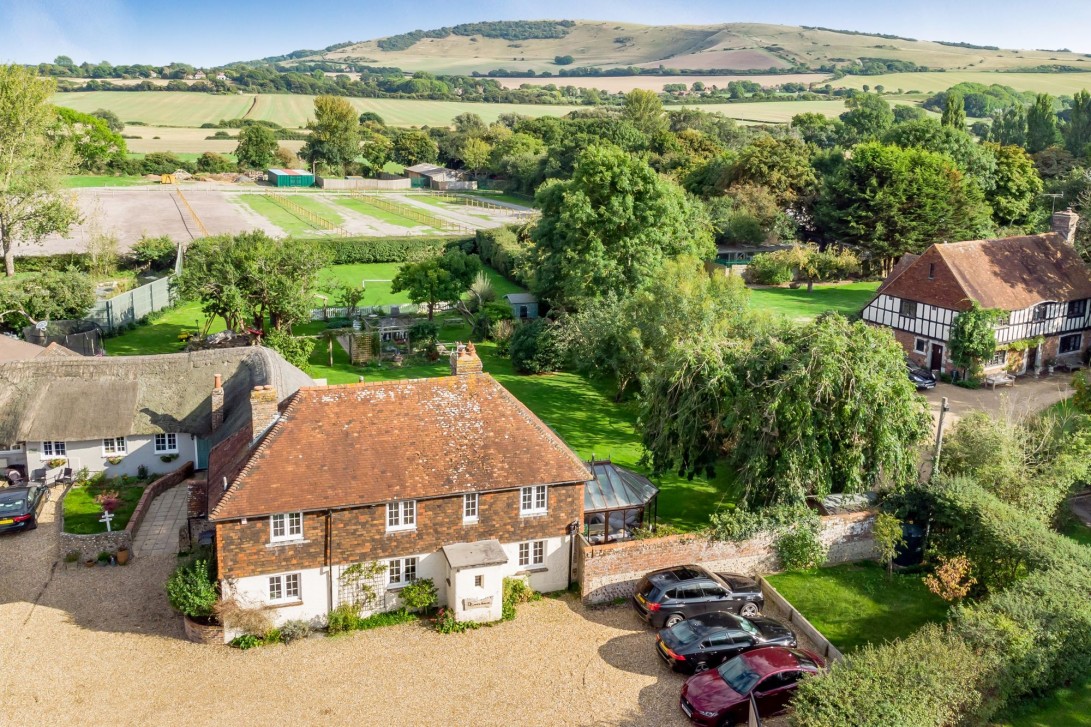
(122,556)
(90,563)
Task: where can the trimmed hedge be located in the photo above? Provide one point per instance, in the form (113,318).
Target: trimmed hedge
(349,250)
(41,263)
(500,249)
(1028,639)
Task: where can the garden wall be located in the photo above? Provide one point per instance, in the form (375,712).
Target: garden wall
(89,546)
(799,623)
(612,571)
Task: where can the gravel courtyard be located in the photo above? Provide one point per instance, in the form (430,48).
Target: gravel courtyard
(101,645)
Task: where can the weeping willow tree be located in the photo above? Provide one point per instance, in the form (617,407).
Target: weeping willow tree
(798,411)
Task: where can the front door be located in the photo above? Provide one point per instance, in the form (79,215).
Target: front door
(937,357)
(1032,359)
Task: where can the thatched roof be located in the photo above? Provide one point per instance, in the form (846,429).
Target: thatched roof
(80,398)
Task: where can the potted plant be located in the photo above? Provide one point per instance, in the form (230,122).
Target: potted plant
(89,562)
(168,457)
(114,460)
(56,462)
(104,558)
(1051,363)
(192,591)
(122,555)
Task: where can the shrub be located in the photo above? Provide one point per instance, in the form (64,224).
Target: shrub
(294,630)
(516,591)
(800,548)
(501,249)
(191,590)
(348,250)
(420,595)
(246,641)
(951,580)
(536,348)
(296,350)
(343,618)
(213,163)
(768,270)
(446,623)
(248,619)
(156,253)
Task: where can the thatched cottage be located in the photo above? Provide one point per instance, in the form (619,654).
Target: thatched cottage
(118,414)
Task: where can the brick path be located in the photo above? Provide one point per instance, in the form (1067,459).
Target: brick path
(158,533)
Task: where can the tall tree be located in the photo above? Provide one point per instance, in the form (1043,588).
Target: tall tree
(1017,186)
(890,201)
(45,296)
(334,140)
(793,410)
(611,227)
(810,265)
(957,143)
(1010,126)
(644,110)
(113,121)
(1042,131)
(414,147)
(868,117)
(475,154)
(1077,132)
(437,279)
(954,111)
(783,166)
(32,203)
(94,144)
(257,147)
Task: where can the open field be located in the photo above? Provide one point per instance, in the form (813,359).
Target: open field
(737,46)
(78,181)
(856,604)
(187,140)
(624,84)
(1057,84)
(190,110)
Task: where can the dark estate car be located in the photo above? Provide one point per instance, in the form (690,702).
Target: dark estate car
(721,696)
(19,507)
(665,597)
(703,642)
(921,378)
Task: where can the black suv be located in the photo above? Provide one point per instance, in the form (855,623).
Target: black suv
(665,597)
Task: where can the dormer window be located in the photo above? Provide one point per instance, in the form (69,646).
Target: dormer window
(1041,312)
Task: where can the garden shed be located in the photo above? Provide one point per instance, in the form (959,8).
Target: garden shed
(616,502)
(524,306)
(289,178)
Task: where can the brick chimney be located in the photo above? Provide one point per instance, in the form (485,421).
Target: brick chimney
(263,409)
(464,360)
(217,402)
(1064,224)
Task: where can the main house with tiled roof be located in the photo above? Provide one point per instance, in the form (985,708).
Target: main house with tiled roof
(1039,282)
(450,478)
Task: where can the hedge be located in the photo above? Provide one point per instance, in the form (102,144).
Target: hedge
(500,249)
(1027,639)
(348,250)
(41,263)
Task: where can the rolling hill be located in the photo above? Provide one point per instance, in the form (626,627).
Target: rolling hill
(524,46)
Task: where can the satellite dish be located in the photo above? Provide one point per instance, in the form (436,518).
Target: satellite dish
(41,325)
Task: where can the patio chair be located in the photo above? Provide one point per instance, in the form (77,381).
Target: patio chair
(38,475)
(66,477)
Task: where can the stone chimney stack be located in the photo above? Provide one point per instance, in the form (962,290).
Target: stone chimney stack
(464,360)
(1065,224)
(217,402)
(263,409)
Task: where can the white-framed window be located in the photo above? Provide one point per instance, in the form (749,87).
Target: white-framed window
(166,443)
(469,507)
(284,588)
(286,526)
(113,446)
(920,345)
(54,449)
(479,581)
(401,571)
(401,515)
(908,308)
(999,359)
(532,500)
(1070,343)
(532,553)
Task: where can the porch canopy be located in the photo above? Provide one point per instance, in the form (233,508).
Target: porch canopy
(615,501)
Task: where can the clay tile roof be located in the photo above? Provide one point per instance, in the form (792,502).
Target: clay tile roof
(1014,273)
(16,349)
(343,446)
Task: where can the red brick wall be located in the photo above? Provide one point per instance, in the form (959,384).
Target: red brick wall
(613,570)
(359,535)
(943,290)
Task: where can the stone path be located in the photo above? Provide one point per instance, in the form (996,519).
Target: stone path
(158,533)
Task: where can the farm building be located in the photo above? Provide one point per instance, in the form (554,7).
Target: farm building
(289,178)
(524,306)
(441,178)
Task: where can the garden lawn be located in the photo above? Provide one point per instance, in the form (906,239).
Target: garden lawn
(318,207)
(1067,707)
(82,513)
(382,215)
(502,197)
(279,216)
(161,336)
(101,180)
(856,603)
(847,299)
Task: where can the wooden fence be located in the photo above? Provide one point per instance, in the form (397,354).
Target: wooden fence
(305,214)
(413,213)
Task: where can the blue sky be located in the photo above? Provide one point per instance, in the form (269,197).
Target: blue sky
(203,32)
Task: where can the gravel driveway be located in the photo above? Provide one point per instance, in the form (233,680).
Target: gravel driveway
(101,645)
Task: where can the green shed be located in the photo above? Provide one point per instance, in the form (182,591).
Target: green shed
(289,178)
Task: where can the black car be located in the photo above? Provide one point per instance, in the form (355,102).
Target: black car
(703,642)
(19,507)
(921,378)
(665,597)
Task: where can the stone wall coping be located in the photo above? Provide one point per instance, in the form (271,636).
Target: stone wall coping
(800,623)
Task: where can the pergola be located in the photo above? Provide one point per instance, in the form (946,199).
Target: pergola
(615,502)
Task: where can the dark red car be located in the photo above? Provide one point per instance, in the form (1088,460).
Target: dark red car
(721,696)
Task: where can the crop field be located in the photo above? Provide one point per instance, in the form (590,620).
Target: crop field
(185,140)
(624,84)
(159,108)
(1055,83)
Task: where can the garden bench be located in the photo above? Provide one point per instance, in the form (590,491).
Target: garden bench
(994,380)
